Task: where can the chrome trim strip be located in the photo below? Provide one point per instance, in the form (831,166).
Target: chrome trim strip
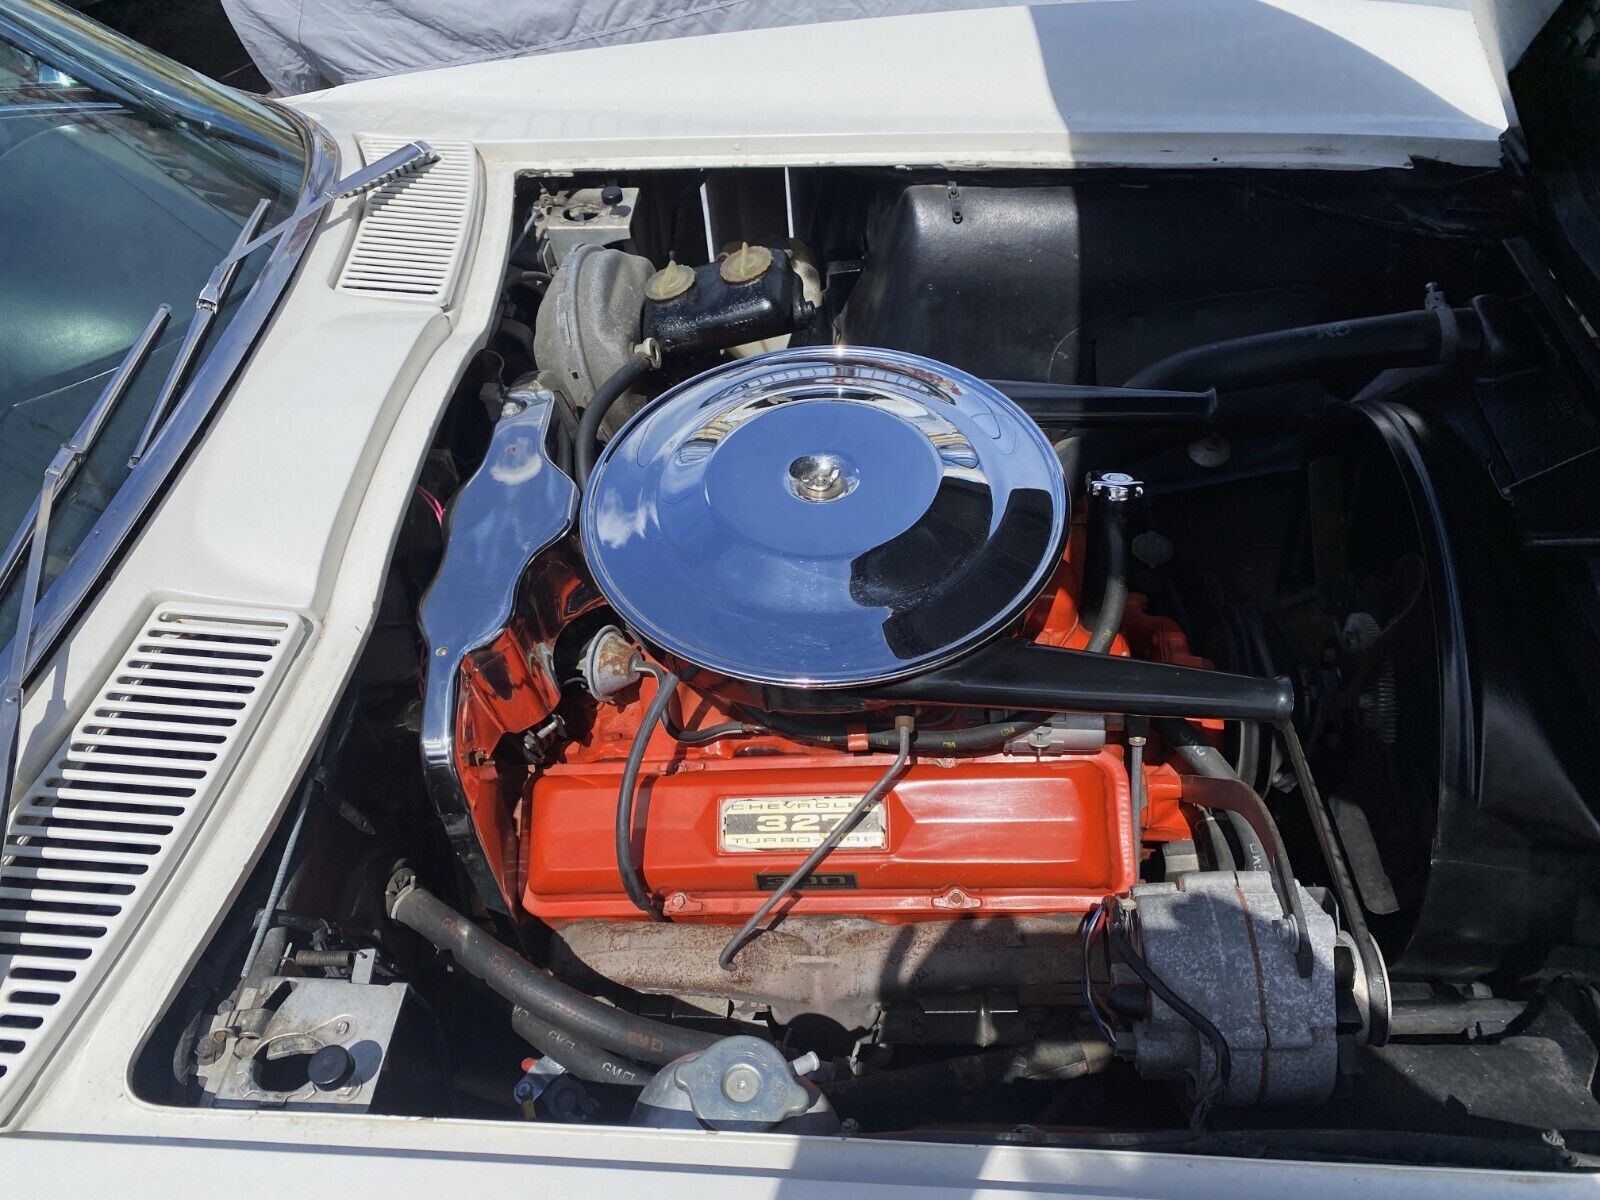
(146,483)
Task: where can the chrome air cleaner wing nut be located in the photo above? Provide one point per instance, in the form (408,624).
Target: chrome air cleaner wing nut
(825,517)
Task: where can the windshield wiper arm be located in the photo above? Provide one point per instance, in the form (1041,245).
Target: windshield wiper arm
(205,311)
(34,535)
(413,156)
(397,164)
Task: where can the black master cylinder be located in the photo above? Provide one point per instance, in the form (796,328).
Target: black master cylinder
(749,295)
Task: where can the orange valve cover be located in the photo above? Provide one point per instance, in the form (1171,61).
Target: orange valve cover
(715,835)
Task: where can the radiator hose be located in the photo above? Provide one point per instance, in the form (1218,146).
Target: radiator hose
(579,1058)
(1205,759)
(584,1019)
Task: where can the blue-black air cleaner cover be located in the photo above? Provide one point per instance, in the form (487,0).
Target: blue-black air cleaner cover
(825,517)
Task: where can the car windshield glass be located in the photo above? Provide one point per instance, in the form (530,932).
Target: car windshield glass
(124,179)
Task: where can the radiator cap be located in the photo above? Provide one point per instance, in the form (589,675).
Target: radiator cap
(825,517)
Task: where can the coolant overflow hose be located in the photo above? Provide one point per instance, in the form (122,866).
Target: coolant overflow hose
(585,1019)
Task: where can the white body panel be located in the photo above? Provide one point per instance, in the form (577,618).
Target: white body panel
(1286,83)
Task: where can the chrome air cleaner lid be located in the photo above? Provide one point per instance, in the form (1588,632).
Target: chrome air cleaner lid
(824,517)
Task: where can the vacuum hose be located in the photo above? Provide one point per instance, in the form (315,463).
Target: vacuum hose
(587,449)
(627,869)
(967,740)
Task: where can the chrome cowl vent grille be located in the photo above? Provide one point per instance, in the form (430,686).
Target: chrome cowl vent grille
(413,232)
(96,833)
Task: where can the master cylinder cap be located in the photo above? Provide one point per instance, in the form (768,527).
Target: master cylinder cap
(825,517)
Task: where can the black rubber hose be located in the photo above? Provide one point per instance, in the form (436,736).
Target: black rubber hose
(1252,855)
(1409,339)
(1222,858)
(1070,454)
(1093,406)
(632,884)
(1185,741)
(608,393)
(1016,676)
(939,742)
(510,975)
(1108,583)
(579,1058)
(709,733)
(885,1095)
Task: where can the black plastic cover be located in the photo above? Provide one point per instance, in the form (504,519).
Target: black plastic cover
(944,256)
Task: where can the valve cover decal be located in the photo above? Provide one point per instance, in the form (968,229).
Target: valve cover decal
(767,824)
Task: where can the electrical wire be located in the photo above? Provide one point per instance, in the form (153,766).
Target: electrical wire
(1217,1086)
(1090,925)
(904,728)
(433,503)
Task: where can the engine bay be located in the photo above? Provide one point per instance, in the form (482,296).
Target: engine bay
(982,658)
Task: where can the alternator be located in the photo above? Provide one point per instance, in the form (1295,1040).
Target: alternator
(1221,943)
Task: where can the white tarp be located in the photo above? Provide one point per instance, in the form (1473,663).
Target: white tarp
(306,45)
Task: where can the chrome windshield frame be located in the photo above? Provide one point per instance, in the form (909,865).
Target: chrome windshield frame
(147,483)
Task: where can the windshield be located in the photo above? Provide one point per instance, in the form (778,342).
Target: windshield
(124,178)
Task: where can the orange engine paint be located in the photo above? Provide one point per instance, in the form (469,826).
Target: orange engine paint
(995,834)
(962,836)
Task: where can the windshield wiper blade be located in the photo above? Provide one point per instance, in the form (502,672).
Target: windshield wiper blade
(205,311)
(413,156)
(33,534)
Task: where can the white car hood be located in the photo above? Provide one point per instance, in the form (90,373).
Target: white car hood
(1286,83)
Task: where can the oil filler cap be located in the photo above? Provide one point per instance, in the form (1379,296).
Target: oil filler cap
(825,517)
